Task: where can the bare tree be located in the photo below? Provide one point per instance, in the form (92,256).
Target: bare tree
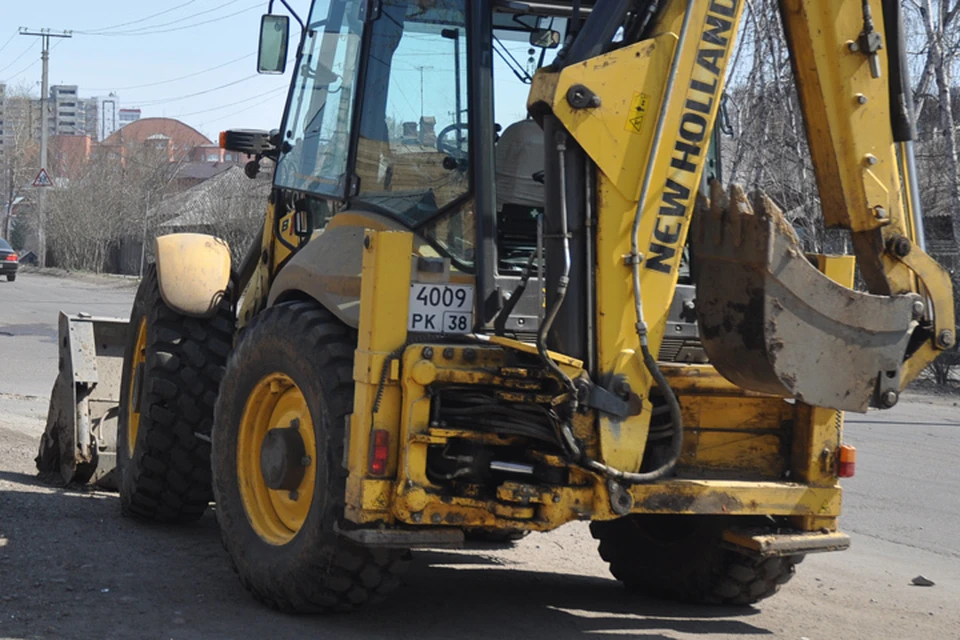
(106,201)
(19,159)
(939,25)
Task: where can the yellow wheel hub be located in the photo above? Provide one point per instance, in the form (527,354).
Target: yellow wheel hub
(276,459)
(133,404)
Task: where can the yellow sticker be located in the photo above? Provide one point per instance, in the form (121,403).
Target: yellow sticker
(638,112)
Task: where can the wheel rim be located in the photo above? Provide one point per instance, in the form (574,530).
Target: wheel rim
(133,406)
(276,515)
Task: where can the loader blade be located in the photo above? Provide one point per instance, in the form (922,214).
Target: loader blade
(771,322)
(79,442)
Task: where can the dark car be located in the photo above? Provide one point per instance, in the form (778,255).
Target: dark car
(9,263)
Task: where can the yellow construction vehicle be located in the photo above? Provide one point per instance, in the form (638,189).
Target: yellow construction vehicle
(504,326)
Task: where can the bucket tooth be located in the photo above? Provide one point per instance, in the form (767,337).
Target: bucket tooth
(772,323)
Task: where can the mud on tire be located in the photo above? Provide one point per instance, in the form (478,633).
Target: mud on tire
(315,569)
(681,558)
(167,476)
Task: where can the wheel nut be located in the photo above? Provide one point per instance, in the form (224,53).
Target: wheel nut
(428,353)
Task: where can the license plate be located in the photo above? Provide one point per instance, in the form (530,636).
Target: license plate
(440,308)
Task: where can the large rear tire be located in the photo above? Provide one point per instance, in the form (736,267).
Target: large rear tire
(171,374)
(278,466)
(682,558)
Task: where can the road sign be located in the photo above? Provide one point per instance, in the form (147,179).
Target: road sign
(43,179)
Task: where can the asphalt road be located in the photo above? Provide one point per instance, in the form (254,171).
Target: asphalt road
(71,567)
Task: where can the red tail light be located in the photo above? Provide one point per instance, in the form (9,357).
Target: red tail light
(379,452)
(846,461)
(11,257)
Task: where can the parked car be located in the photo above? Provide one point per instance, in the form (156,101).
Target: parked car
(9,263)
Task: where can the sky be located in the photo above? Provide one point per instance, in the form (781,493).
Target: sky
(194,60)
(118,47)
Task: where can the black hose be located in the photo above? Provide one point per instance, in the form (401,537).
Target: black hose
(901,94)
(676,440)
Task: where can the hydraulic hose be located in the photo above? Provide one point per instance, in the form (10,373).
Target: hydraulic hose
(636,261)
(564,431)
(676,438)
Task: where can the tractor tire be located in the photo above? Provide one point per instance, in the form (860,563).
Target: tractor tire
(291,376)
(171,375)
(681,558)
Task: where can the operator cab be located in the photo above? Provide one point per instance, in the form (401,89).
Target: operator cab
(416,110)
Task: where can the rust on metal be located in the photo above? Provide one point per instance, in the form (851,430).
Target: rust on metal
(771,322)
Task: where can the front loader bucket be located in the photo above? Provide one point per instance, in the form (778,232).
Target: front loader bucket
(771,322)
(80,441)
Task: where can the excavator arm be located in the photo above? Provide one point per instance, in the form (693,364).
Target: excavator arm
(643,111)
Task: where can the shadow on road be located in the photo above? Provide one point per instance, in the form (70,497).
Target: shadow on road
(69,562)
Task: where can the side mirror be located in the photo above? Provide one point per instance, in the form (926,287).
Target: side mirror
(274,36)
(545,38)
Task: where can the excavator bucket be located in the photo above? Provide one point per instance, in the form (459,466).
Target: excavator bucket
(80,441)
(772,322)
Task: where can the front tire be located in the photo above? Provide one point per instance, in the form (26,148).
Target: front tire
(279,476)
(11,277)
(171,374)
(682,558)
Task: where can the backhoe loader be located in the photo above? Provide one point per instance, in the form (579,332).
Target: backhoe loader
(521,301)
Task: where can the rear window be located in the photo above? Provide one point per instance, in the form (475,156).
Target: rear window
(5,246)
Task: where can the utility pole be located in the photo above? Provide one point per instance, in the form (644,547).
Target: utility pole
(422,68)
(44,35)
(8,221)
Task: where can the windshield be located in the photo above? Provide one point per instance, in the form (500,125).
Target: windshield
(316,132)
(519,154)
(412,152)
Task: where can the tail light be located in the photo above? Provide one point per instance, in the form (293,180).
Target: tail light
(379,452)
(846,461)
(11,257)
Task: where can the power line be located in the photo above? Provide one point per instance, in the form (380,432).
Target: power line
(234,103)
(160,82)
(153,31)
(235,113)
(193,95)
(151,27)
(16,74)
(8,41)
(25,52)
(155,15)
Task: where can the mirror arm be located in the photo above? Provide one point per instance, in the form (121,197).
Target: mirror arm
(290,9)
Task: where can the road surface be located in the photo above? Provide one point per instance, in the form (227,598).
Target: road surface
(71,567)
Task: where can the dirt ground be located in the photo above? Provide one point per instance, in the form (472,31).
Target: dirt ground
(72,567)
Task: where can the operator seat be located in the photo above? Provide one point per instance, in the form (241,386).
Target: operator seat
(520,198)
(520,154)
